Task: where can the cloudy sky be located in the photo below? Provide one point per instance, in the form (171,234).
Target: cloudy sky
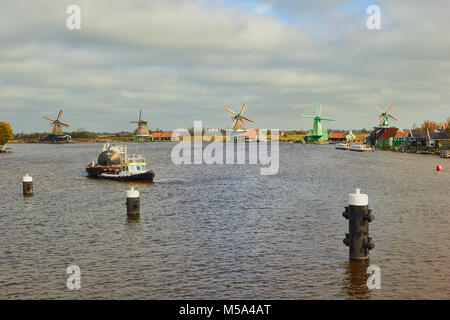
(182,61)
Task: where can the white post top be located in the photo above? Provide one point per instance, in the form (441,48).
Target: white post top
(27,178)
(132,193)
(358,199)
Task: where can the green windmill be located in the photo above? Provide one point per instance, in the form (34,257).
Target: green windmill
(385,115)
(317,134)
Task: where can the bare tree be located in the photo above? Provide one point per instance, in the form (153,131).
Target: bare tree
(429,126)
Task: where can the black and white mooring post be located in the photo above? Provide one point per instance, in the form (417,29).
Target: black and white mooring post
(359,215)
(27,185)
(133,202)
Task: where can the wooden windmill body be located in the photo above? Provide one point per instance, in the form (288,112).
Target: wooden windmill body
(56,134)
(142,131)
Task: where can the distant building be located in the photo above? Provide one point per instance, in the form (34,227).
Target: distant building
(419,138)
(165,136)
(386,138)
(401,138)
(253,135)
(416,138)
(389,137)
(393,137)
(437,139)
(341,136)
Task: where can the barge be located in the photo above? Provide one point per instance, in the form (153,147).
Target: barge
(113,163)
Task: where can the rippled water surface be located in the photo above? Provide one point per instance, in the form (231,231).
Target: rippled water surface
(223,231)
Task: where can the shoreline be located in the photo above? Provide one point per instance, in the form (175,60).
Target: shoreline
(442,153)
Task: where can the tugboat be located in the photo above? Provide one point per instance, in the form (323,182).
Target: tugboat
(113,163)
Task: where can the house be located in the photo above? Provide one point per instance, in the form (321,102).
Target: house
(386,138)
(401,138)
(341,136)
(435,139)
(416,138)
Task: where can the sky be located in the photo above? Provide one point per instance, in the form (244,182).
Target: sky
(181,61)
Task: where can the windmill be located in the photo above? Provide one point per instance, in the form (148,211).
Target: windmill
(385,115)
(382,127)
(142,130)
(56,134)
(238,118)
(317,133)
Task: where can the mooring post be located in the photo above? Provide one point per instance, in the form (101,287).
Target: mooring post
(359,215)
(27,185)
(133,202)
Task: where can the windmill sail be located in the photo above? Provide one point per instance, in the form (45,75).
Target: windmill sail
(56,124)
(385,116)
(238,118)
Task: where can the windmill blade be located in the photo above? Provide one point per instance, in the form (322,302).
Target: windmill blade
(59,115)
(134,121)
(327,119)
(231,111)
(240,124)
(140,111)
(391,116)
(243,108)
(379,109)
(247,120)
(318,109)
(234,124)
(63,124)
(389,109)
(50,119)
(309,117)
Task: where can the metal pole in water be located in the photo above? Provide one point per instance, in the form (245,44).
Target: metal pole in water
(133,202)
(359,215)
(27,185)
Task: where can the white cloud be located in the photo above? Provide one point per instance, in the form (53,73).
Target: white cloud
(187,60)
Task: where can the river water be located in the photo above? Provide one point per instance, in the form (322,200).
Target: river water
(223,231)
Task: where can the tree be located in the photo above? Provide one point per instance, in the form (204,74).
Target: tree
(6,133)
(429,125)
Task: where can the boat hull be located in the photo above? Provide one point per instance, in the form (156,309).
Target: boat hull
(342,146)
(360,148)
(110,174)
